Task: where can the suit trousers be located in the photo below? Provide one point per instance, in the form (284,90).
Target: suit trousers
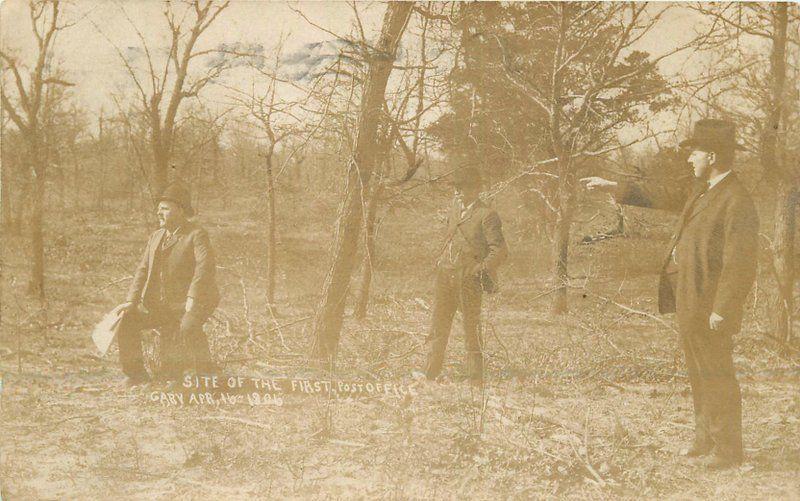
(454,291)
(183,341)
(715,391)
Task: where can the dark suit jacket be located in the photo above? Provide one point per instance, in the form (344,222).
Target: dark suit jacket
(188,270)
(477,238)
(716,244)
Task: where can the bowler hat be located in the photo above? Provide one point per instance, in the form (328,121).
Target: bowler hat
(466,175)
(179,194)
(711,134)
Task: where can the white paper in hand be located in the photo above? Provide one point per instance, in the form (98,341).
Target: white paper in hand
(105,331)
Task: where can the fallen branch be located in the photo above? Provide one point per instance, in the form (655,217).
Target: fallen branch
(632,310)
(233,419)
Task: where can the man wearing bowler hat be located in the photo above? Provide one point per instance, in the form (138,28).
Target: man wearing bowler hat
(174,290)
(473,249)
(705,277)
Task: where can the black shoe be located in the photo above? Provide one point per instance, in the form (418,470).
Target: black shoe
(697,450)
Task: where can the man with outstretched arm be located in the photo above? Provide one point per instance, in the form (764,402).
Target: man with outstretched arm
(706,274)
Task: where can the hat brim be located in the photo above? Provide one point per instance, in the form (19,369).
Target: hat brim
(692,143)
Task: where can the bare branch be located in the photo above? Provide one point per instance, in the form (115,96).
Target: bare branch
(57,81)
(23,93)
(12,112)
(720,16)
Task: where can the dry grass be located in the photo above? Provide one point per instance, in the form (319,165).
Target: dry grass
(591,405)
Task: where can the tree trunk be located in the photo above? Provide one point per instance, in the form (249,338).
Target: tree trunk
(101,167)
(271,250)
(36,282)
(565,197)
(78,184)
(783,260)
(62,190)
(328,322)
(773,151)
(131,188)
(561,252)
(565,185)
(369,253)
(19,208)
(620,213)
(5,195)
(160,171)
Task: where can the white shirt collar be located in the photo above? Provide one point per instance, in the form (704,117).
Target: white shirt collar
(716,179)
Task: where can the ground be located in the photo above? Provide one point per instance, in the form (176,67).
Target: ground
(593,404)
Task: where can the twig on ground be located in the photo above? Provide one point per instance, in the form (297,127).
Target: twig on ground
(277,327)
(246,306)
(111,284)
(61,421)
(293,322)
(399,356)
(632,310)
(234,419)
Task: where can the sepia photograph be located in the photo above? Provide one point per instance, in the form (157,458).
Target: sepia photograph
(352,249)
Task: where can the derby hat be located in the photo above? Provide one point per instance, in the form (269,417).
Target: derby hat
(179,194)
(711,134)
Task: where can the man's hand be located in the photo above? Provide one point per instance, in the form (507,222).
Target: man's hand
(189,304)
(714,321)
(598,183)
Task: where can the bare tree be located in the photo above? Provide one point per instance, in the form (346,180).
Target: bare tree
(5,171)
(161,91)
(328,321)
(783,175)
(419,90)
(373,197)
(277,122)
(25,105)
(585,81)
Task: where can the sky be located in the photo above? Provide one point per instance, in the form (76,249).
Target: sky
(87,49)
(87,53)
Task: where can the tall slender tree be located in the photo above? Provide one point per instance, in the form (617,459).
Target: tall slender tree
(25,100)
(380,61)
(165,84)
(784,177)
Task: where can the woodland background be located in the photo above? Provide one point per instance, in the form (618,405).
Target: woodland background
(320,169)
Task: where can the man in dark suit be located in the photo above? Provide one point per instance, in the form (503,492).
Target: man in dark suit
(474,248)
(705,277)
(174,289)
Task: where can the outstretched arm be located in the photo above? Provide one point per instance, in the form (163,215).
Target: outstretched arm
(671,198)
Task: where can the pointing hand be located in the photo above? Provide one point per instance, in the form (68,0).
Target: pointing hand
(714,321)
(598,183)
